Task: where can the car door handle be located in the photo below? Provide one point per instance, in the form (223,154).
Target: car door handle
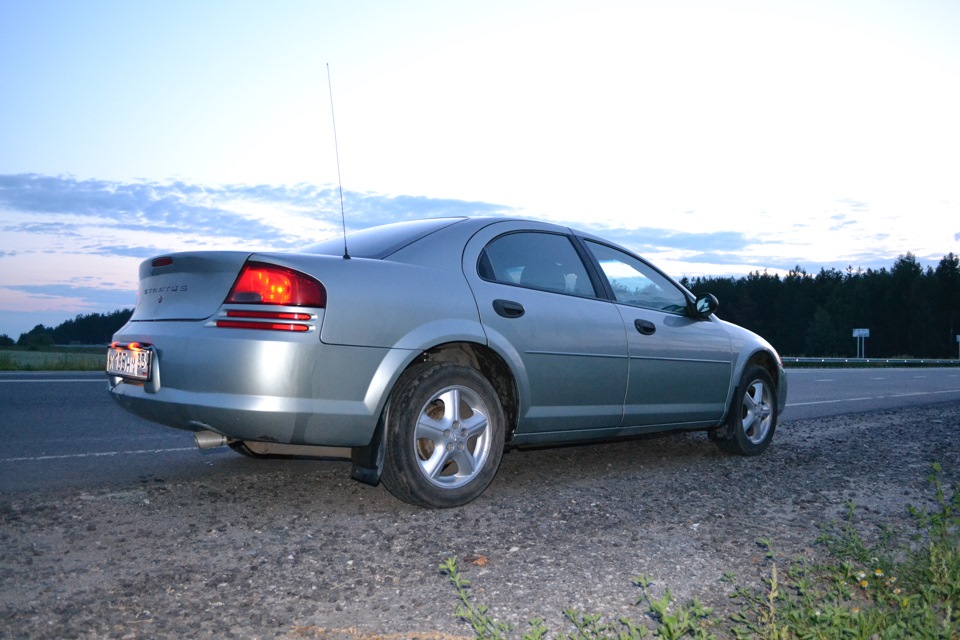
(645,327)
(508,308)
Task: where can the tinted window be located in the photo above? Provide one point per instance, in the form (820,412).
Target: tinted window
(379,242)
(545,261)
(636,283)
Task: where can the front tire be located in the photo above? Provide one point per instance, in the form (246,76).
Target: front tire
(445,435)
(753,416)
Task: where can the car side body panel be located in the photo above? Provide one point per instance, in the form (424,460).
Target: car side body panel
(680,374)
(567,380)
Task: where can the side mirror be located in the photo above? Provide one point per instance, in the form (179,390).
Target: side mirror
(706,305)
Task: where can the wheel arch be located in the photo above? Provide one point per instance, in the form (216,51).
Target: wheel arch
(491,365)
(770,361)
(771,364)
(368,460)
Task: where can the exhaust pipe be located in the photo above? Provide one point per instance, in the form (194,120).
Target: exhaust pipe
(210,439)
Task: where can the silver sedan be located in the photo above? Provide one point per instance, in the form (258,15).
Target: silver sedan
(425,348)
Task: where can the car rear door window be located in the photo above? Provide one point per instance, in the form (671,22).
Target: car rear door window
(535,260)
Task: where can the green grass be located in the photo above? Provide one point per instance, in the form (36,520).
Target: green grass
(904,585)
(53,359)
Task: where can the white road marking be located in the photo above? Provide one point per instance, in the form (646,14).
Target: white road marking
(99,454)
(803,404)
(896,395)
(924,393)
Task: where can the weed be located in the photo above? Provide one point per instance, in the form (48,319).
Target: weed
(876,590)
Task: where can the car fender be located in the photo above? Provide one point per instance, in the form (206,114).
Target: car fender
(749,346)
(409,347)
(368,460)
(369,304)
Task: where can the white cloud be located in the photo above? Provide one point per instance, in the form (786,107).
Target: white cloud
(19,300)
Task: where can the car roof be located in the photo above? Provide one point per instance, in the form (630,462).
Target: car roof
(383,240)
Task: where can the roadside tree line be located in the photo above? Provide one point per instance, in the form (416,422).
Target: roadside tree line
(89,329)
(910,311)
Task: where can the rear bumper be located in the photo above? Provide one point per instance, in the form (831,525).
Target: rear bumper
(259,385)
(264,418)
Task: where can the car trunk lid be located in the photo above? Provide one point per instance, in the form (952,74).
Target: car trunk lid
(186,286)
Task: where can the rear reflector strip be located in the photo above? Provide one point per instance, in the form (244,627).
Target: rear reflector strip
(268,315)
(263,326)
(266,320)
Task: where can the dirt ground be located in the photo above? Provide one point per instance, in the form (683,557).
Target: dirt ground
(298,550)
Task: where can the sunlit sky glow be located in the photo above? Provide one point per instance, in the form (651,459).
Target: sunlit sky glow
(713,138)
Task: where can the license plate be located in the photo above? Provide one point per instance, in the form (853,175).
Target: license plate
(129,363)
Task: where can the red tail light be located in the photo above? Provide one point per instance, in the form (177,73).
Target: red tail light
(261,283)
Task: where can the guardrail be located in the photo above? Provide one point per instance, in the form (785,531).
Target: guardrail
(871,362)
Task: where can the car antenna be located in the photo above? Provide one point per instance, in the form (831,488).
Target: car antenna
(343,217)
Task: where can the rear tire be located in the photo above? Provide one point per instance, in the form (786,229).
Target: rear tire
(753,416)
(445,435)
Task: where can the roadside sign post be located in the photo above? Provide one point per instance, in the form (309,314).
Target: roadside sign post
(958,347)
(861,335)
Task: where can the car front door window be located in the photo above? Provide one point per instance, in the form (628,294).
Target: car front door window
(637,283)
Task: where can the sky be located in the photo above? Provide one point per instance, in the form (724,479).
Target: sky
(714,138)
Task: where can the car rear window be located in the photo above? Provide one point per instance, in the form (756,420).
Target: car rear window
(380,242)
(536,260)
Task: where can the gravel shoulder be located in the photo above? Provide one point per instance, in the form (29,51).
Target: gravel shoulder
(295,549)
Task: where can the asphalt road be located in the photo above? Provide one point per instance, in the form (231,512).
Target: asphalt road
(818,393)
(62,430)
